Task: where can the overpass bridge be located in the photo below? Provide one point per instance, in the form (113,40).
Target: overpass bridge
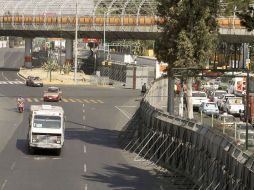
(116,19)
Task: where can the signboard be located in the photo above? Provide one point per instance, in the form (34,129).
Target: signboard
(87,40)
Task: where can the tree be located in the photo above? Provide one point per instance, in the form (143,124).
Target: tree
(49,66)
(188,39)
(247,18)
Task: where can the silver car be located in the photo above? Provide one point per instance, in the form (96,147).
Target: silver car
(209,108)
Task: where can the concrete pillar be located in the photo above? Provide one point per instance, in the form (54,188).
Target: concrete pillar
(28,52)
(69,51)
(11,42)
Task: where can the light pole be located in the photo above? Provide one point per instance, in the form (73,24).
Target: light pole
(76,45)
(104,34)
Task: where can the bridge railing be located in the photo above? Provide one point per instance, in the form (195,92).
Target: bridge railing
(201,153)
(96,20)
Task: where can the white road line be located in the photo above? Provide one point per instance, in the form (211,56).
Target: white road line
(13,165)
(84,118)
(86,101)
(4,76)
(84,148)
(85,186)
(91,100)
(4,184)
(161,187)
(123,112)
(83,105)
(85,168)
(10,82)
(127,106)
(100,101)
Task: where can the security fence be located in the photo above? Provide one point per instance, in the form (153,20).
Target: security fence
(207,157)
(132,75)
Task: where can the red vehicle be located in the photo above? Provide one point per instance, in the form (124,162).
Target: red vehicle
(52,94)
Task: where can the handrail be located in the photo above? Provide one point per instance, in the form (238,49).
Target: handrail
(118,20)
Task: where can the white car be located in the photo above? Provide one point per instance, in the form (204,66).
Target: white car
(233,105)
(222,99)
(198,97)
(217,95)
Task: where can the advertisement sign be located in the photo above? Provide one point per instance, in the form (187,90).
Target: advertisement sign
(87,40)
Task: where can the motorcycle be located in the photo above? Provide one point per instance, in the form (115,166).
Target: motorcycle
(20,107)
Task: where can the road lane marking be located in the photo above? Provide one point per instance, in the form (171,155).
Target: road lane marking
(4,76)
(29,100)
(123,112)
(85,168)
(86,101)
(13,165)
(36,100)
(71,100)
(10,82)
(84,148)
(161,187)
(64,100)
(93,101)
(4,184)
(100,101)
(85,186)
(78,100)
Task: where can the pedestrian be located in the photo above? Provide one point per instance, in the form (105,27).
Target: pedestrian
(143,89)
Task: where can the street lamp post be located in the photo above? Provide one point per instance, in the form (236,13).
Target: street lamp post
(104,33)
(76,45)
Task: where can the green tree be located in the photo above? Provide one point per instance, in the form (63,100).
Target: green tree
(188,39)
(49,66)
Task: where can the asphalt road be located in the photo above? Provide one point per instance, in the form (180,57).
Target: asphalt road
(91,158)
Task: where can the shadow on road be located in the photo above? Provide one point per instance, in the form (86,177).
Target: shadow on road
(93,135)
(125,177)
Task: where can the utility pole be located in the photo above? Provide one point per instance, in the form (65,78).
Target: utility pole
(170,106)
(247,111)
(76,45)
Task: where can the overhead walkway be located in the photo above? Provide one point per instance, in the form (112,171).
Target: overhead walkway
(118,19)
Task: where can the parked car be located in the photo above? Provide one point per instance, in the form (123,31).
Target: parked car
(197,98)
(52,94)
(233,105)
(209,108)
(221,100)
(216,95)
(238,133)
(34,81)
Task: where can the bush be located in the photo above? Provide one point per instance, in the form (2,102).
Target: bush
(50,66)
(67,68)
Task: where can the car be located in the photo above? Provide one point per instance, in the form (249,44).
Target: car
(197,98)
(34,81)
(233,105)
(217,94)
(209,108)
(52,94)
(222,99)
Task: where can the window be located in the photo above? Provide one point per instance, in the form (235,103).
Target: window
(53,122)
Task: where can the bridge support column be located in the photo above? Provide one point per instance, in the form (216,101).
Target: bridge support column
(11,41)
(28,52)
(69,51)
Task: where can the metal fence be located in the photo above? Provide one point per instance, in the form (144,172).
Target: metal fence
(207,157)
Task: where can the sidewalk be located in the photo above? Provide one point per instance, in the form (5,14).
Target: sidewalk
(56,77)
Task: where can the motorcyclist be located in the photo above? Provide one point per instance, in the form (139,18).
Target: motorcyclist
(20,102)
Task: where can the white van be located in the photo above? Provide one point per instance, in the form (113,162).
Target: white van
(46,128)
(237,86)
